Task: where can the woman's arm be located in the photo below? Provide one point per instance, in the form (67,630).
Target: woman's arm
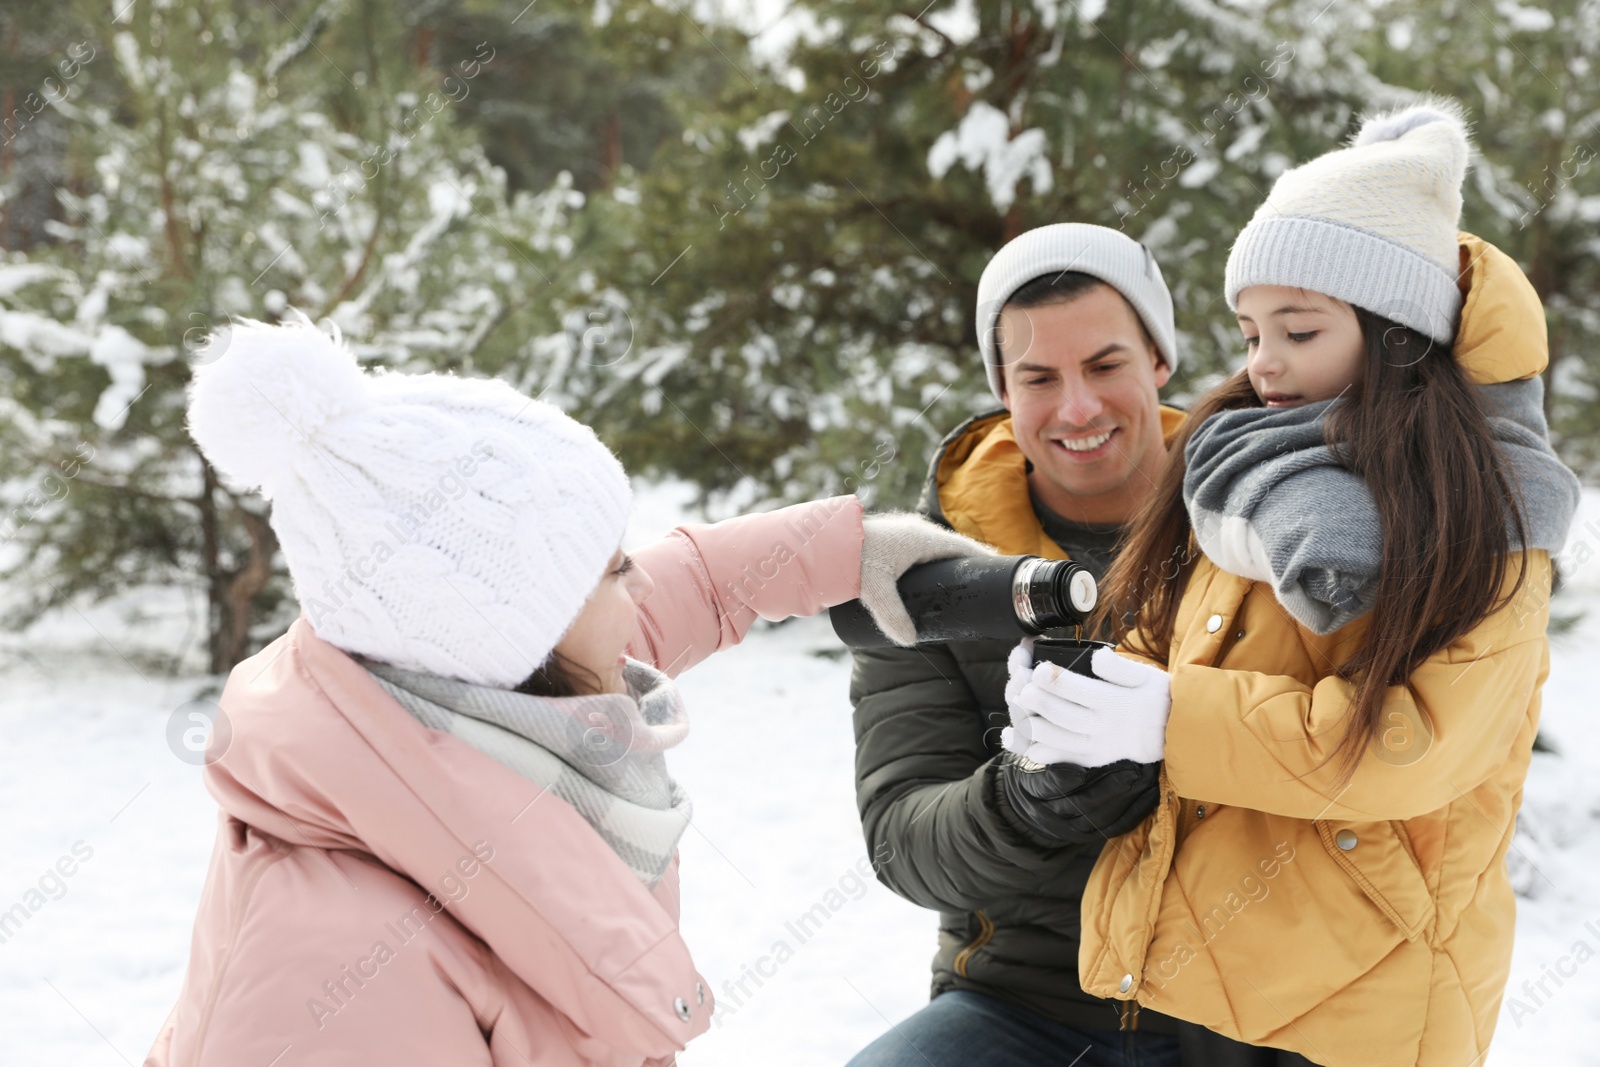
(713,581)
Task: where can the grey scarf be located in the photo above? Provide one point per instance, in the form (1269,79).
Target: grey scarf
(602,754)
(1269,501)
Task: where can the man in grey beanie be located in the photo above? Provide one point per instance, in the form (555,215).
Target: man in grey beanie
(1075,327)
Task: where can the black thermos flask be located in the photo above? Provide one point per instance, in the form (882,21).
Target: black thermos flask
(972,597)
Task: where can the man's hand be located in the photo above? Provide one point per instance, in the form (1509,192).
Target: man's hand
(1080,805)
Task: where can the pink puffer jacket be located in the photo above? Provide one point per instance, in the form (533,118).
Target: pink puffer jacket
(383,893)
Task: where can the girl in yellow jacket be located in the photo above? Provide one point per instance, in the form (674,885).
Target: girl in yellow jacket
(1345,575)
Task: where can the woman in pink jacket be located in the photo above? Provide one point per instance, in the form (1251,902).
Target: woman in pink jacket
(447,833)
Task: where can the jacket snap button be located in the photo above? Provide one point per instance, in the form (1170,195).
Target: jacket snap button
(1199,811)
(1213,624)
(1345,839)
(681,1006)
(1126,983)
(699,993)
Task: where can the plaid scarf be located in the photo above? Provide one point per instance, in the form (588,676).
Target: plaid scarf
(603,754)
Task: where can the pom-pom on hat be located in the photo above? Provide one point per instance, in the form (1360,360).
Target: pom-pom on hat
(1373,224)
(440,524)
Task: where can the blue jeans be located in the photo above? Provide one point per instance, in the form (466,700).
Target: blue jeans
(964,1029)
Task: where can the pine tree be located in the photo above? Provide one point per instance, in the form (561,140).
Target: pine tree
(748,261)
(256,162)
(568,91)
(41,54)
(805,260)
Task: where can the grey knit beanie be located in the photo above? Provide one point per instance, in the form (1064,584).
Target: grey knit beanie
(1113,257)
(1373,224)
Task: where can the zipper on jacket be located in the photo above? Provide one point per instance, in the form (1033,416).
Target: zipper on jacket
(1130,1015)
(985,932)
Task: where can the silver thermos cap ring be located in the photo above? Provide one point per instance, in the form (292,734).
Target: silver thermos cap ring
(1021,602)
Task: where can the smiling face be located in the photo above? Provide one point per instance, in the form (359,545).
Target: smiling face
(598,636)
(1080,381)
(1302,346)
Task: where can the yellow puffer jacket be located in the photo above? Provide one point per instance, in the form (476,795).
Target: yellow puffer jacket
(1366,925)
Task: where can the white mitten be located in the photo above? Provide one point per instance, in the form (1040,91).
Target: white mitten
(1018,737)
(892,545)
(1121,713)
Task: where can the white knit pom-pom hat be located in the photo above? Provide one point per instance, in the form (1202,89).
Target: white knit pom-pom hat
(1373,224)
(440,524)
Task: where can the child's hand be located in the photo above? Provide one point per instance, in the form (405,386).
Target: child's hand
(1059,716)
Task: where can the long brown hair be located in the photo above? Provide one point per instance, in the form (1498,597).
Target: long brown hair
(1413,428)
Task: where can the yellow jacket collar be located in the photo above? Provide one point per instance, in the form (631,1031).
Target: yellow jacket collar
(982,482)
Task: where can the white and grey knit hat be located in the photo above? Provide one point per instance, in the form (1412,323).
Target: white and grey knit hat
(440,524)
(1373,224)
(1113,257)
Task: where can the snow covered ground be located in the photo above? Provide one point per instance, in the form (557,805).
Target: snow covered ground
(90,785)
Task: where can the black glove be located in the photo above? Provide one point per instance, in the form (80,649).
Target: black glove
(1080,805)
